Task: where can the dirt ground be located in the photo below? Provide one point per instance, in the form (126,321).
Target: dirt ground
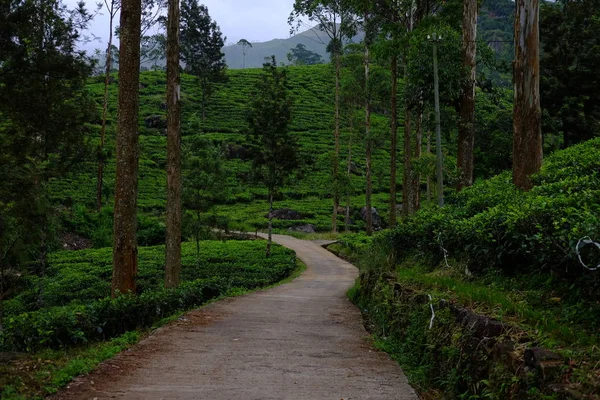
(302,340)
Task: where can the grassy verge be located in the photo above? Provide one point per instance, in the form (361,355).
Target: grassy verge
(34,376)
(450,360)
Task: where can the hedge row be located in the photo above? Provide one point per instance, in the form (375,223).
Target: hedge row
(79,324)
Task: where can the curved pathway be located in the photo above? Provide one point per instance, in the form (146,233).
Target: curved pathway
(301,340)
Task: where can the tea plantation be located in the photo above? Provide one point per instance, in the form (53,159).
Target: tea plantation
(244,208)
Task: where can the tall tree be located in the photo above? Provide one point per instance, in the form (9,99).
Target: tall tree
(202,185)
(201,48)
(527,136)
(569,69)
(300,55)
(112,7)
(274,150)
(125,215)
(44,108)
(173,234)
(466,125)
(334,19)
(245,45)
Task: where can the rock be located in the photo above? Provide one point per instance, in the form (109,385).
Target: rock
(156,121)
(308,228)
(376,219)
(286,214)
(72,241)
(547,362)
(482,326)
(234,151)
(536,355)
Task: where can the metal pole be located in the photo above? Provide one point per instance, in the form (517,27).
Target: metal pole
(438,133)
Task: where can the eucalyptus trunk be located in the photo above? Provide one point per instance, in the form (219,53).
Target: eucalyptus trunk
(466,125)
(125,250)
(527,135)
(369,216)
(270,233)
(100,179)
(394,142)
(415,179)
(174,189)
(336,195)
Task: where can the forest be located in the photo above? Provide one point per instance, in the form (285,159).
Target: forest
(450,150)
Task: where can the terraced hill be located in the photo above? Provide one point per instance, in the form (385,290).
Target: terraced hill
(245,208)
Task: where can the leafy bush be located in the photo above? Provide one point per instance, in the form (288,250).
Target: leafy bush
(493,226)
(76,289)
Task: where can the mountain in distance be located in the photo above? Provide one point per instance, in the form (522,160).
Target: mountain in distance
(314,39)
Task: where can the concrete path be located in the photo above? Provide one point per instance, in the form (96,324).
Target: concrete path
(302,340)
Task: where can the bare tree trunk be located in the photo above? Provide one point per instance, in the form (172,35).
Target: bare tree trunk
(173,238)
(99,182)
(428,175)
(349,172)
(126,185)
(270,234)
(416,178)
(336,195)
(369,216)
(394,140)
(466,125)
(406,181)
(527,139)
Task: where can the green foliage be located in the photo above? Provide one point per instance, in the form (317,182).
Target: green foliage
(300,55)
(569,69)
(201,43)
(274,151)
(494,227)
(77,287)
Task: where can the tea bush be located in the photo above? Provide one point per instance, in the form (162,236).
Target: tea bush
(71,304)
(493,226)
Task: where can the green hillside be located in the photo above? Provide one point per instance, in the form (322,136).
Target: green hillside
(245,207)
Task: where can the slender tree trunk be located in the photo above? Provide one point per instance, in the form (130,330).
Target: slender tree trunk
(204,89)
(466,125)
(2,277)
(428,175)
(527,136)
(99,182)
(270,238)
(173,238)
(407,201)
(198,235)
(369,216)
(416,178)
(336,194)
(348,194)
(394,140)
(126,185)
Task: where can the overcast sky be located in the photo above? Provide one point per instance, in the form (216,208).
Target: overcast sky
(254,20)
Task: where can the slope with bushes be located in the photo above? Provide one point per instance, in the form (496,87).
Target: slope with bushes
(516,312)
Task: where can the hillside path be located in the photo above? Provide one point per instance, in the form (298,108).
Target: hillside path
(301,340)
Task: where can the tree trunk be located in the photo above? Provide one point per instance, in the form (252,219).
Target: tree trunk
(99,182)
(428,175)
(173,237)
(348,195)
(126,185)
(394,140)
(204,89)
(416,154)
(466,125)
(527,139)
(336,195)
(407,201)
(270,238)
(369,216)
